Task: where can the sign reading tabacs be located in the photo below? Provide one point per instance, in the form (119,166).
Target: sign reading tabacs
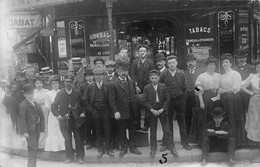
(24,21)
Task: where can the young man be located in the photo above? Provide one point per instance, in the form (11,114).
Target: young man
(46,72)
(218,133)
(100,102)
(140,74)
(191,73)
(110,68)
(63,70)
(126,109)
(69,108)
(123,55)
(176,84)
(99,62)
(160,62)
(31,123)
(78,72)
(156,100)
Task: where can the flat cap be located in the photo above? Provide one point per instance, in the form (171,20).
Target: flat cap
(217,112)
(99,59)
(27,88)
(63,65)
(99,70)
(190,56)
(123,65)
(154,72)
(171,57)
(110,63)
(88,71)
(69,78)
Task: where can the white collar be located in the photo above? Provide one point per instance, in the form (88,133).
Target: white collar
(161,70)
(101,82)
(69,92)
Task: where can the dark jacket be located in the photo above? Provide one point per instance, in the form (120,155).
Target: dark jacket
(245,71)
(107,79)
(121,98)
(141,75)
(191,78)
(149,97)
(28,118)
(223,126)
(109,96)
(61,103)
(181,79)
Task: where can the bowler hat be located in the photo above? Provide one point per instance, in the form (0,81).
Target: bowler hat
(63,66)
(45,70)
(88,71)
(154,72)
(76,60)
(99,59)
(241,53)
(54,78)
(27,88)
(99,70)
(217,112)
(123,65)
(190,56)
(159,56)
(211,60)
(110,63)
(69,78)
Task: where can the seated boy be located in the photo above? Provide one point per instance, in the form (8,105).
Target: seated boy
(218,136)
(156,100)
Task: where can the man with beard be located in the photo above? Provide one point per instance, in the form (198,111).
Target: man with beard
(69,108)
(191,73)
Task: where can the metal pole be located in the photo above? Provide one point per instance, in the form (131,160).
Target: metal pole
(109,6)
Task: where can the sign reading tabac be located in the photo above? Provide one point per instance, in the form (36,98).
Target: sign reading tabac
(24,21)
(27,4)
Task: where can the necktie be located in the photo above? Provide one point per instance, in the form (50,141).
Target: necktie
(156,96)
(99,85)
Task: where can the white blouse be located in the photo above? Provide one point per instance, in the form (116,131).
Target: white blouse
(208,81)
(231,79)
(252,80)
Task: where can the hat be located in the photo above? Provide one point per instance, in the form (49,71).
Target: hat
(143,46)
(88,71)
(99,70)
(156,72)
(211,60)
(110,63)
(76,60)
(217,112)
(99,59)
(54,78)
(45,70)
(38,77)
(190,56)
(27,88)
(171,57)
(63,66)
(69,78)
(159,56)
(241,53)
(123,65)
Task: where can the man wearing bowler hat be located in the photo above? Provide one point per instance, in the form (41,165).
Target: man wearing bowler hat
(191,73)
(126,109)
(245,70)
(160,62)
(62,70)
(69,108)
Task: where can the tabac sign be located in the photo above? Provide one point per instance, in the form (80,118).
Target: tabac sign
(24,21)
(27,4)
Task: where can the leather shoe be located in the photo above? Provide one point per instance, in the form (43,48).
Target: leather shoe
(110,154)
(80,161)
(174,153)
(203,162)
(122,153)
(68,161)
(231,162)
(152,154)
(88,146)
(100,154)
(187,147)
(135,151)
(163,149)
(145,128)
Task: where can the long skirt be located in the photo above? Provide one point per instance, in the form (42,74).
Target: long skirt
(235,115)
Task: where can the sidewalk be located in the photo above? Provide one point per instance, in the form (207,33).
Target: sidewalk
(184,156)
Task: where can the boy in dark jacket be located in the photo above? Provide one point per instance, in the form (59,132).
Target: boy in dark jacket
(31,123)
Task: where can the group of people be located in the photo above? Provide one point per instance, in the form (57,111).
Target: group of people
(95,107)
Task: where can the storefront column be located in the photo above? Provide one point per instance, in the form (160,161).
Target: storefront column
(109,6)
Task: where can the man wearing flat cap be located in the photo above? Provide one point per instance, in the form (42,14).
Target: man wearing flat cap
(100,102)
(218,133)
(244,70)
(99,62)
(110,68)
(69,108)
(126,112)
(191,73)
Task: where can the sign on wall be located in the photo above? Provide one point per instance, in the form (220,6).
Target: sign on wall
(24,21)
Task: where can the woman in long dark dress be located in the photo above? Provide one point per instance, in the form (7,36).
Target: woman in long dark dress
(231,101)
(208,84)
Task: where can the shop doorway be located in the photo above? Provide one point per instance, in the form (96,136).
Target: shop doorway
(160,35)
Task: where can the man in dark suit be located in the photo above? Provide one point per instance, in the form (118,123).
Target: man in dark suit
(177,86)
(140,74)
(110,67)
(31,123)
(191,73)
(126,109)
(245,70)
(100,101)
(160,62)
(63,70)
(69,108)
(156,99)
(46,72)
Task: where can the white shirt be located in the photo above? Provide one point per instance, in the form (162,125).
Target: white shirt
(155,88)
(161,70)
(69,92)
